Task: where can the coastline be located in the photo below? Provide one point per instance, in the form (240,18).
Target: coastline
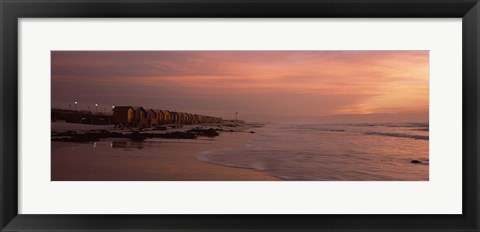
(154,159)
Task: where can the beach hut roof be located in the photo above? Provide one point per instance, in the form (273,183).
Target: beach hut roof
(121,108)
(164,111)
(138,108)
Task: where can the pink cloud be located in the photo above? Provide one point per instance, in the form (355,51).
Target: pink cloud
(287,82)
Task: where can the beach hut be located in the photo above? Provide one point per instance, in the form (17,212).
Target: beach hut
(167,117)
(184,117)
(181,118)
(140,119)
(123,116)
(152,118)
(189,118)
(195,119)
(160,117)
(163,116)
(201,119)
(173,117)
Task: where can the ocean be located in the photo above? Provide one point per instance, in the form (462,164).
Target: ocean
(333,152)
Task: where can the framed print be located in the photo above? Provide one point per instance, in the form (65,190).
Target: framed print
(250,116)
(243,139)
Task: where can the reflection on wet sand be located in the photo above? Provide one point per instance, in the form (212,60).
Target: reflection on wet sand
(126,144)
(151,160)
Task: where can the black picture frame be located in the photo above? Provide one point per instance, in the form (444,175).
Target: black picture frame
(12,10)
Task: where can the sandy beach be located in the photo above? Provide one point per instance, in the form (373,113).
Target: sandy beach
(150,160)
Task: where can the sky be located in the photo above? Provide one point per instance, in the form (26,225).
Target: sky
(261,86)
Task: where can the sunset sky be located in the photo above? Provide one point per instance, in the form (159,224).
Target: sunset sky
(259,85)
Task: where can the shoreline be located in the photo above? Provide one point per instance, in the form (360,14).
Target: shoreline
(72,132)
(156,159)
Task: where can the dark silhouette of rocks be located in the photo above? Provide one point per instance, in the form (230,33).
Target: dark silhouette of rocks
(92,136)
(204,132)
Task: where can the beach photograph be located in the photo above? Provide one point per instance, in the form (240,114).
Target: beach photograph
(243,115)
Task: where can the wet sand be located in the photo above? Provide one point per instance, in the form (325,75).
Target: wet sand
(151,160)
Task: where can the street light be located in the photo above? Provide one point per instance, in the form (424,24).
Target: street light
(76,106)
(96,108)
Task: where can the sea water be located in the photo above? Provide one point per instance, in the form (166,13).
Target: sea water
(337,152)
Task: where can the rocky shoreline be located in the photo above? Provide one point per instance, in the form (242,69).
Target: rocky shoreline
(139,135)
(92,136)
